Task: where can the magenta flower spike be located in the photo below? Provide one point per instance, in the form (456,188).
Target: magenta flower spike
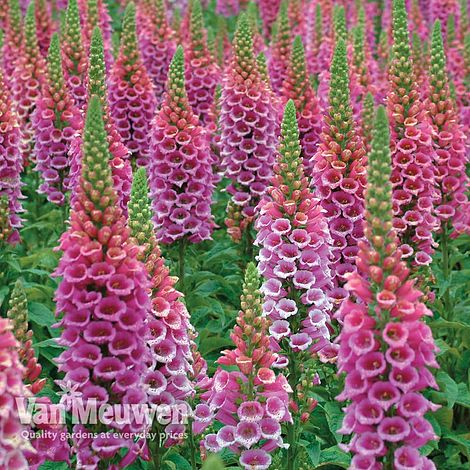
(119,162)
(338,173)
(13,443)
(202,74)
(131,96)
(449,143)
(56,121)
(44,25)
(386,349)
(27,82)
(13,39)
(250,400)
(269,9)
(102,301)
(180,168)
(74,58)
(281,45)
(170,335)
(11,166)
(295,252)
(156,42)
(227,8)
(413,155)
(249,126)
(298,88)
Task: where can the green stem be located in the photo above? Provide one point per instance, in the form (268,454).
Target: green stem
(446,270)
(292,428)
(156,454)
(192,446)
(181,263)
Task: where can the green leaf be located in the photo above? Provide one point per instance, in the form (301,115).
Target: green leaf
(313,451)
(334,456)
(462,440)
(213,462)
(3,293)
(334,416)
(54,466)
(180,462)
(463,396)
(448,387)
(40,314)
(444,416)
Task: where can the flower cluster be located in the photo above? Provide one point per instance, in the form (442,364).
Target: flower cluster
(297,87)
(94,14)
(338,173)
(248,131)
(11,166)
(119,162)
(12,443)
(56,120)
(74,59)
(449,143)
(27,82)
(18,314)
(156,42)
(269,10)
(131,97)
(13,38)
(169,328)
(102,300)
(295,251)
(385,347)
(44,25)
(202,72)
(413,155)
(51,444)
(180,171)
(250,401)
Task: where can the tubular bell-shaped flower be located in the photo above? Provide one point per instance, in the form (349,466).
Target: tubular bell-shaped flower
(11,166)
(202,72)
(74,59)
(338,173)
(295,254)
(131,97)
(13,444)
(281,45)
(27,81)
(56,121)
(170,331)
(119,162)
(449,143)
(298,88)
(180,167)
(156,42)
(413,155)
(248,124)
(103,301)
(18,314)
(250,401)
(385,346)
